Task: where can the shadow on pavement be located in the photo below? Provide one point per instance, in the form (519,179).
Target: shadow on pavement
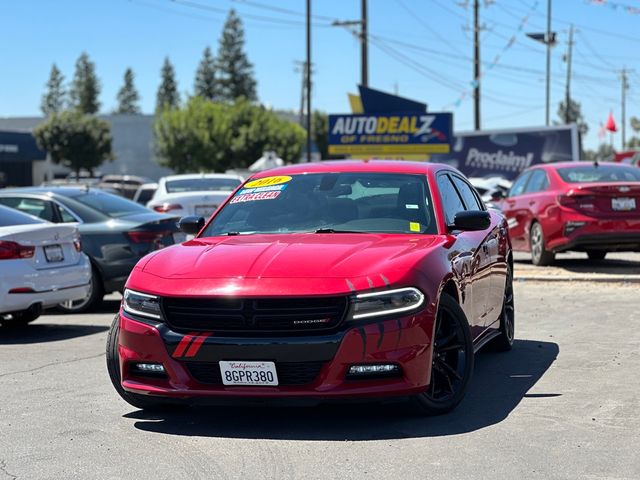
(500,382)
(43,333)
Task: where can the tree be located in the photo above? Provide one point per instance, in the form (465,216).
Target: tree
(634,142)
(85,87)
(573,114)
(320,132)
(206,83)
(75,140)
(128,96)
(209,136)
(167,96)
(54,96)
(604,153)
(234,69)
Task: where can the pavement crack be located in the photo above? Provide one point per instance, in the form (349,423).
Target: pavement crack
(51,365)
(3,469)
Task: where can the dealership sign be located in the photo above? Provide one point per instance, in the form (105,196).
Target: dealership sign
(390,134)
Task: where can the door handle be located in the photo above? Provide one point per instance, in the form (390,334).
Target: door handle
(531,203)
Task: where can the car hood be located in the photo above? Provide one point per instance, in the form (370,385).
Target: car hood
(294,262)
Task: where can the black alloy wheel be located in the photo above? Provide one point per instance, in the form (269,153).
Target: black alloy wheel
(452,361)
(596,254)
(504,342)
(143,402)
(539,255)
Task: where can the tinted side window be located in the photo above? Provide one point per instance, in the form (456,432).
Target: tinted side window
(451,201)
(33,206)
(470,198)
(538,182)
(518,186)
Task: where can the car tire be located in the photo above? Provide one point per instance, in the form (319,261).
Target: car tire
(143,402)
(504,342)
(96,293)
(540,256)
(452,361)
(596,255)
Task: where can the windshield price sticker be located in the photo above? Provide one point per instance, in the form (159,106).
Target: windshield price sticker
(251,197)
(268,181)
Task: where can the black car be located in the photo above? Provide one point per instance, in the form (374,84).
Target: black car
(116,232)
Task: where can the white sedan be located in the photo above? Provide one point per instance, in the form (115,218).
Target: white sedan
(193,194)
(41,265)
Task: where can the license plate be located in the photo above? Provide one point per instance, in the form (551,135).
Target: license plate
(179,237)
(53,253)
(623,204)
(249,373)
(204,210)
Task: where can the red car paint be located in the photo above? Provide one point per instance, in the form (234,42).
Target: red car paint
(561,203)
(472,265)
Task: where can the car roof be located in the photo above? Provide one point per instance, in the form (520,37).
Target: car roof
(577,164)
(193,176)
(64,191)
(380,166)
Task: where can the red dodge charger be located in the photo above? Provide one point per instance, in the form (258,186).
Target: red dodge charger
(317,282)
(557,207)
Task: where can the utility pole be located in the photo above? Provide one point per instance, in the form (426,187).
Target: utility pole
(476,63)
(548,41)
(567,97)
(364,55)
(308,80)
(302,67)
(625,86)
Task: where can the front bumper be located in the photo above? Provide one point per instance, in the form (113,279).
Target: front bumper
(405,341)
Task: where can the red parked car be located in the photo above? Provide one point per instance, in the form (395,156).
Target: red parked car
(585,207)
(328,281)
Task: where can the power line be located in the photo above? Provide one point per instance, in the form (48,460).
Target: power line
(262,18)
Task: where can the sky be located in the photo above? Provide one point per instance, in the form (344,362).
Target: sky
(421,49)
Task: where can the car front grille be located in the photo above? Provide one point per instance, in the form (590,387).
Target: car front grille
(289,373)
(250,316)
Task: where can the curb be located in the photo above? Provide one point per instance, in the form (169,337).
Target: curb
(600,279)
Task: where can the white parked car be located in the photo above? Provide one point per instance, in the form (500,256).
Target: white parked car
(487,187)
(193,194)
(41,265)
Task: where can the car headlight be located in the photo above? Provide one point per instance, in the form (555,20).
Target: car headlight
(141,304)
(388,302)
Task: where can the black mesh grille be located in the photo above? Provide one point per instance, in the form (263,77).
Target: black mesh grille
(251,315)
(289,373)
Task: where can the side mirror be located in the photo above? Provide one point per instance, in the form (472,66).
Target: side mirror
(472,220)
(191,225)
(498,195)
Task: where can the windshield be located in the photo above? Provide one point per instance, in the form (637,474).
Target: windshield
(328,202)
(202,185)
(10,217)
(601,173)
(110,205)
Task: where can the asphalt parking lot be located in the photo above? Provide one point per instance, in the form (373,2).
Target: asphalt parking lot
(563,404)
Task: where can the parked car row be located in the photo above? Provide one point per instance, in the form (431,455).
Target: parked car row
(584,207)
(115,232)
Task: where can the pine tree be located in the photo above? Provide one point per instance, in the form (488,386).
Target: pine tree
(128,96)
(53,98)
(234,69)
(85,87)
(206,85)
(167,95)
